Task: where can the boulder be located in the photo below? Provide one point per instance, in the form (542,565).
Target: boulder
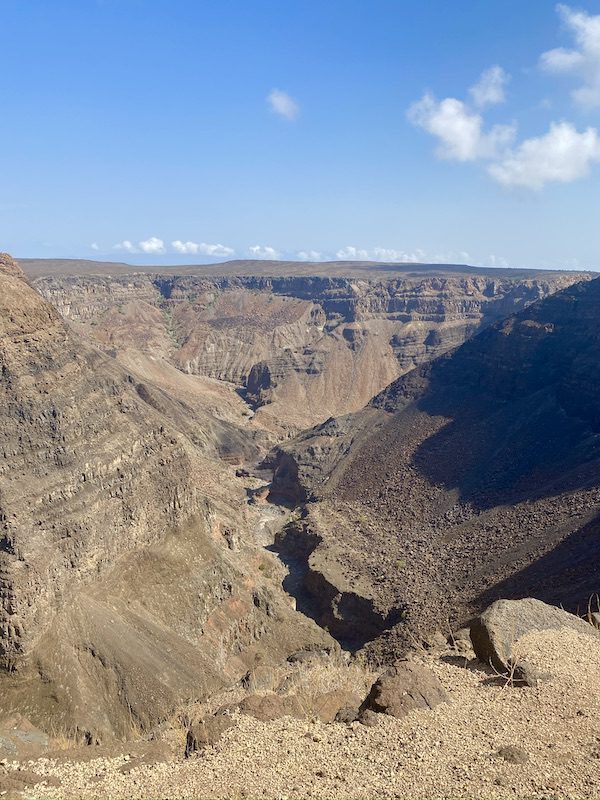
(329,705)
(499,628)
(261,678)
(207,732)
(269,707)
(406,687)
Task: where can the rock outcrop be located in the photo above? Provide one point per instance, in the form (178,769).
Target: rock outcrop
(89,471)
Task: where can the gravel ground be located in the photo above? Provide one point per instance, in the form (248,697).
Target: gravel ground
(450,752)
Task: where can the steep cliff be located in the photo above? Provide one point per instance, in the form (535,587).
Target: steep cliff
(302,347)
(129,573)
(470,478)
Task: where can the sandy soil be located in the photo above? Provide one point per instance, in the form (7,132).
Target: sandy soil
(446,753)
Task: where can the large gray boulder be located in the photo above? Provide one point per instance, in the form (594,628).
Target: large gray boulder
(498,629)
(406,687)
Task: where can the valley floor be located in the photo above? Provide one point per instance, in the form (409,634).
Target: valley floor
(489,741)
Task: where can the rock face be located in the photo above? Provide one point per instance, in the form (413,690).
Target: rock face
(106,505)
(89,471)
(469,479)
(497,631)
(306,347)
(406,687)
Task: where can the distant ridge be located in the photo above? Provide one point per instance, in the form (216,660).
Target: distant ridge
(37,267)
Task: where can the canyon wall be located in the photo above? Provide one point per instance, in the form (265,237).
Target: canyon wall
(302,348)
(129,574)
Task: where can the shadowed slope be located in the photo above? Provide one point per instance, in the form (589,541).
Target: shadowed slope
(462,474)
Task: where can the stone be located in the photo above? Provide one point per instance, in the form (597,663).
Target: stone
(512,754)
(346,715)
(261,678)
(525,674)
(436,641)
(368,718)
(269,707)
(207,732)
(327,706)
(499,628)
(407,687)
(461,635)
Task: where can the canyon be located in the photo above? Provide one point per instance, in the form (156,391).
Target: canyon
(211,469)
(302,344)
(471,478)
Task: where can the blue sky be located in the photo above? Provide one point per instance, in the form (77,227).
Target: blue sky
(185,131)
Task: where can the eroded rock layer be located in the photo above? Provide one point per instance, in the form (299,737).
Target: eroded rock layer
(129,577)
(302,347)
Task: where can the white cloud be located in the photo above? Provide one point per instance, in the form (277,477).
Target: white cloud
(201,248)
(126,245)
(281,103)
(351,253)
(489,89)
(309,255)
(561,155)
(584,60)
(389,254)
(94,246)
(269,253)
(459,129)
(495,261)
(152,245)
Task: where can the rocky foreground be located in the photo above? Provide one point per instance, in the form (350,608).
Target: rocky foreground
(486,736)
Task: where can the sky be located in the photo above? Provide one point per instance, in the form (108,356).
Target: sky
(189,131)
